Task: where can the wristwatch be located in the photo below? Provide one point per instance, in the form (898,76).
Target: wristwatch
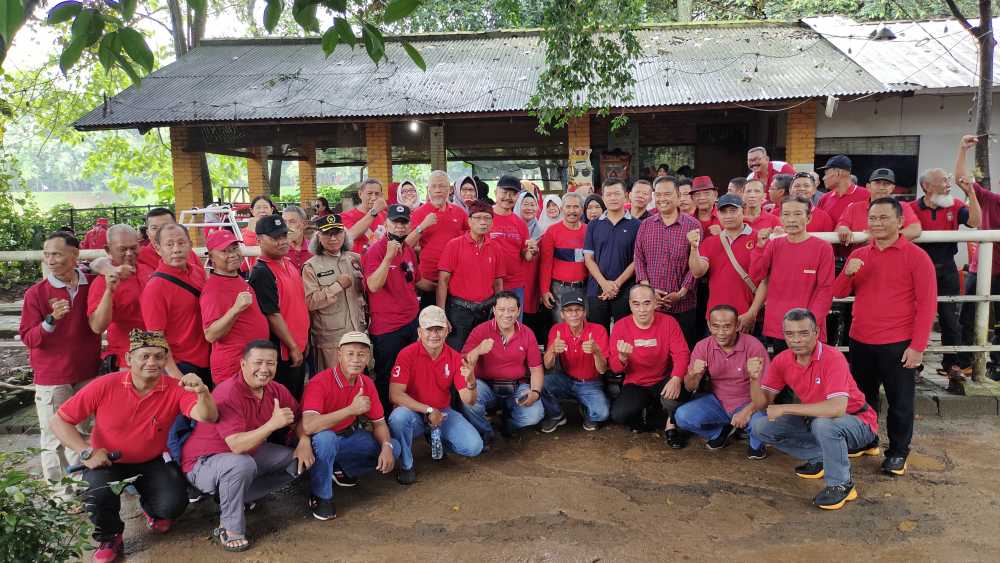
(373,213)
(50,319)
(388,444)
(429,411)
(86,453)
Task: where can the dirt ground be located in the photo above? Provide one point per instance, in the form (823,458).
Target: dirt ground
(614,496)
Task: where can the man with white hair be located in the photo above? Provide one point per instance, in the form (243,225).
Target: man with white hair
(114,306)
(437,222)
(563,273)
(939,211)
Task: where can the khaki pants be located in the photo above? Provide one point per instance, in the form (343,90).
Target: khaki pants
(55,457)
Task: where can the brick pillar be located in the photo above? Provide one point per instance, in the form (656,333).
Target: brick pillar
(578,130)
(800,136)
(378,138)
(439,158)
(188,184)
(307,174)
(257,172)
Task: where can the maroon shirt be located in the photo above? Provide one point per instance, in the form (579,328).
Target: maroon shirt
(71,352)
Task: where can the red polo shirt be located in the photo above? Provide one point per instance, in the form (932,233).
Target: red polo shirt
(835,204)
(575,362)
(395,304)
(713,219)
(774,167)
(507,361)
(137,426)
(278,287)
(299,256)
(429,380)
(374,232)
(820,221)
(217,298)
(510,232)
(451,223)
(560,255)
(799,275)
(239,411)
(176,311)
(725,286)
(148,261)
(827,376)
(657,350)
(473,267)
(895,294)
(126,313)
(855,217)
(328,391)
(764,221)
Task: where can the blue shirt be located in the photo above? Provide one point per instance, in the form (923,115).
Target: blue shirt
(612,246)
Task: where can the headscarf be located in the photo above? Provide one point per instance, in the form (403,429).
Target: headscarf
(534,228)
(586,203)
(399,192)
(543,217)
(457,191)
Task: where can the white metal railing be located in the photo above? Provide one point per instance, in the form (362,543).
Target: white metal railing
(986,238)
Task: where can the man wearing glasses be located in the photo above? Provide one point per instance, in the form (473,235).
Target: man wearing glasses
(390,273)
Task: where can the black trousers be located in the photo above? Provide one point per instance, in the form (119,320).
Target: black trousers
(386,348)
(162,494)
(951,331)
(463,320)
(204,373)
(603,312)
(776,345)
(634,399)
(293,378)
(701,312)
(689,325)
(878,365)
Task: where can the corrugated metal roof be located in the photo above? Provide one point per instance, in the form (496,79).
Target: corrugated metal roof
(929,54)
(240,80)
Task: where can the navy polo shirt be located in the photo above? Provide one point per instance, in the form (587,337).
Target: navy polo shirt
(612,245)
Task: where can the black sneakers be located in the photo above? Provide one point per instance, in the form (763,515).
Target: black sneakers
(810,470)
(836,496)
(549,425)
(722,440)
(894,465)
(343,479)
(322,509)
(759,453)
(406,476)
(590,425)
(675,438)
(871,449)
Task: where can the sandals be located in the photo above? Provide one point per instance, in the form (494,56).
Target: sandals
(225,540)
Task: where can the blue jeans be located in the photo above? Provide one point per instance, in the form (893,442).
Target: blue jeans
(705,416)
(817,439)
(487,399)
(355,455)
(457,434)
(590,395)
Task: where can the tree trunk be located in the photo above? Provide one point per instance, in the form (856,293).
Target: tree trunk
(198,28)
(206,182)
(984,98)
(274,178)
(29,8)
(177,28)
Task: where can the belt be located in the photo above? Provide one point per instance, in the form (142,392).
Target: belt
(347,432)
(578,284)
(472,305)
(510,384)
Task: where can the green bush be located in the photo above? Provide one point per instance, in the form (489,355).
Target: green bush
(21,226)
(35,523)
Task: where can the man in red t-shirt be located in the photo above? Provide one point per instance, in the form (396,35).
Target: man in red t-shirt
(115,306)
(232,457)
(391,276)
(149,256)
(170,302)
(562,272)
(841,190)
(704,194)
(471,271)
(763,168)
(365,222)
(510,232)
(332,405)
(803,186)
(229,312)
(282,298)
(509,371)
(422,380)
(437,222)
(895,296)
(576,357)
(831,419)
(650,349)
(132,413)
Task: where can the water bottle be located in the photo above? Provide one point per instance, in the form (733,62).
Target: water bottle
(437,447)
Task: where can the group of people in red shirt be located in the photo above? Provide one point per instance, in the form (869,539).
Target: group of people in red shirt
(673,309)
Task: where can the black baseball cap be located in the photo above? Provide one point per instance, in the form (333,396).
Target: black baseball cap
(883,174)
(840,161)
(508,182)
(572,299)
(329,222)
(397,212)
(729,200)
(272,225)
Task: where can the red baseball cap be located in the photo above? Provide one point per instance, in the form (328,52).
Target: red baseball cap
(220,239)
(699,183)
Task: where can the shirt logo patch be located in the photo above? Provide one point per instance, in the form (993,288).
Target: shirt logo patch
(645,343)
(817,381)
(810,272)
(395,371)
(447,370)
